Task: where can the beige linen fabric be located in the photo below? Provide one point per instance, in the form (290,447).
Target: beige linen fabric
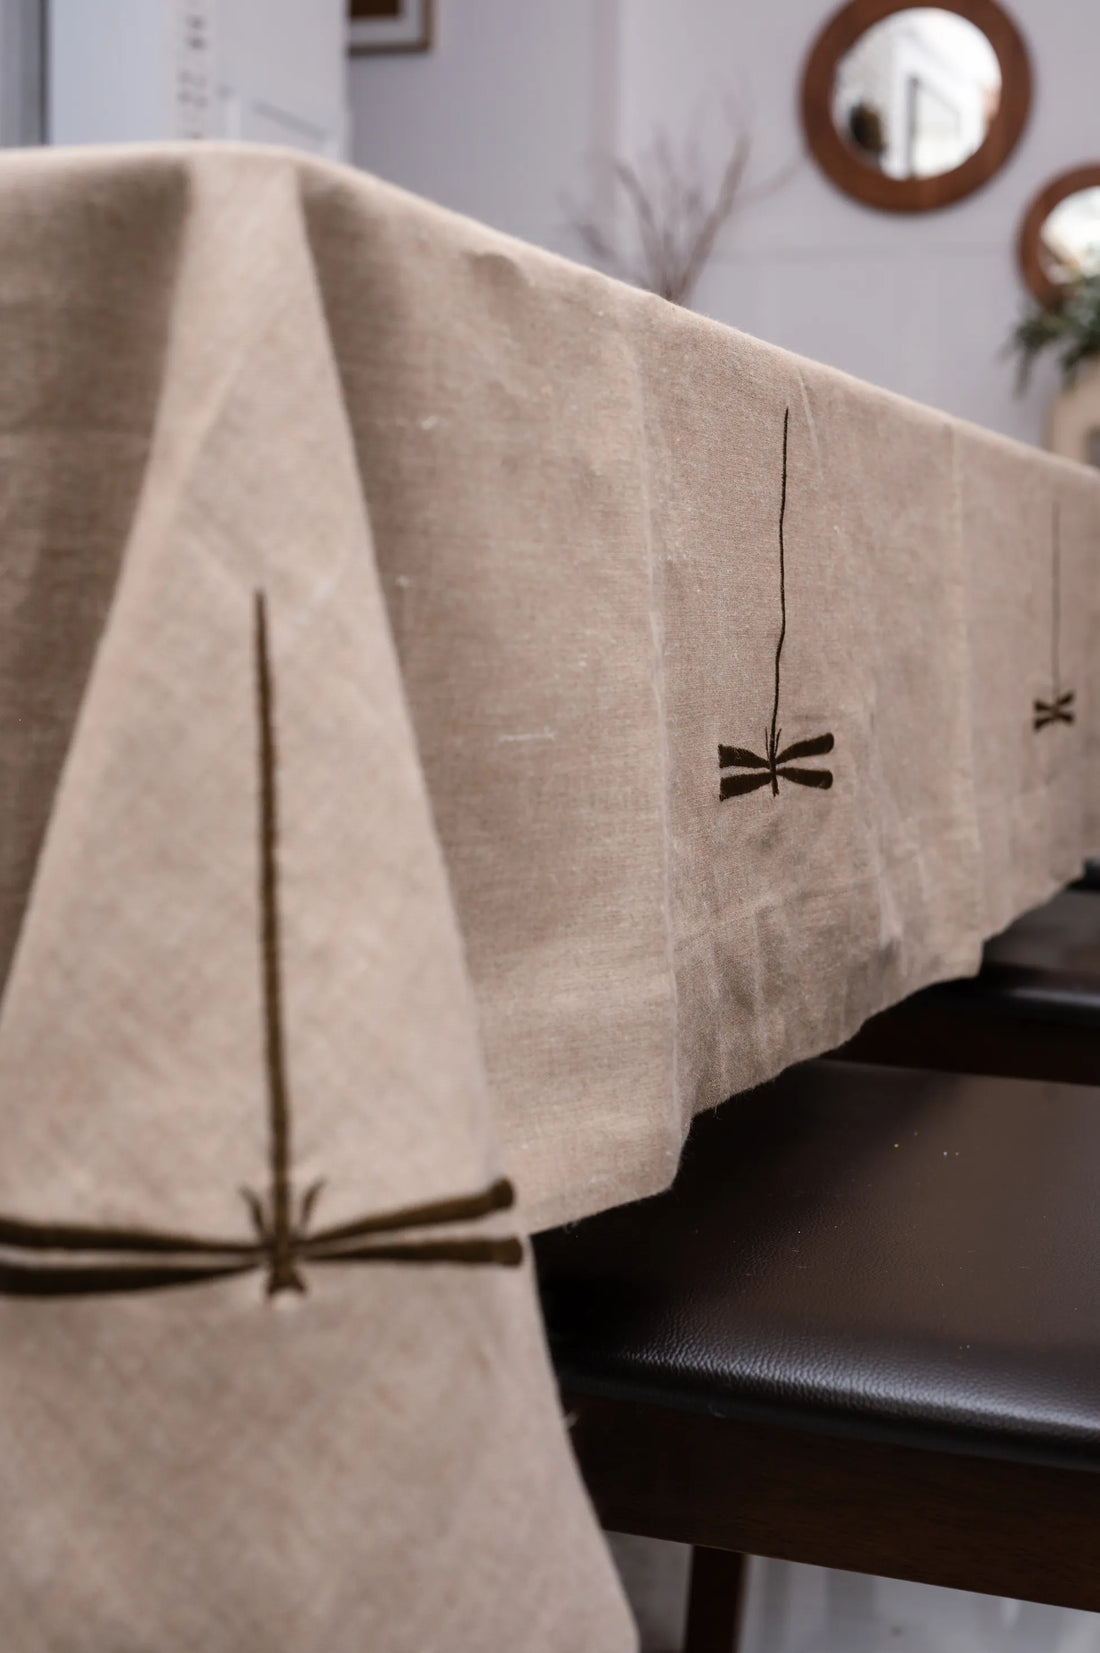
(575,492)
(649,706)
(1031,536)
(800,912)
(378,1463)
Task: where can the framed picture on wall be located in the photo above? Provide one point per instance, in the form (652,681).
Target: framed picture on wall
(389,25)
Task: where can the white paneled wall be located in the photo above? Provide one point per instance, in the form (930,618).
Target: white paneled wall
(110,71)
(265,71)
(499,120)
(506,117)
(21,83)
(282,75)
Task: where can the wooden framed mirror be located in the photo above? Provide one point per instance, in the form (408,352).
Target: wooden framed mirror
(1059,240)
(909,108)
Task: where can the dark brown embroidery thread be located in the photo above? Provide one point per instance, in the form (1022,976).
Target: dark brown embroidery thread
(272,1222)
(74,1259)
(774,766)
(1059,708)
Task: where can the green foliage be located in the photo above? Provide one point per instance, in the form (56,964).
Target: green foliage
(1071,328)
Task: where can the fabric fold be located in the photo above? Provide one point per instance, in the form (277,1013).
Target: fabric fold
(270,1335)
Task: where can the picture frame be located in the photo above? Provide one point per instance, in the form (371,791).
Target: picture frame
(381,26)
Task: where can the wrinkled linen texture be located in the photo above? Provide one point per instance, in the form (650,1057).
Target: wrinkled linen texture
(650,707)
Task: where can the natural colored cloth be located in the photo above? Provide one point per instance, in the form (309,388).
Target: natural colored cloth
(741,699)
(576,493)
(237,1018)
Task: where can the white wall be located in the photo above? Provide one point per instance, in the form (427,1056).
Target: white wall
(21,84)
(502,120)
(499,119)
(107,80)
(268,71)
(281,72)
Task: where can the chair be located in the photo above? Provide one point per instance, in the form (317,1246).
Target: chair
(1032,1012)
(862,1330)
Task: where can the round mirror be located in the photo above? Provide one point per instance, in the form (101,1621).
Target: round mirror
(1060,234)
(917,93)
(913,107)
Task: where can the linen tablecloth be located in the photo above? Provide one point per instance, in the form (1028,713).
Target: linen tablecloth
(459,716)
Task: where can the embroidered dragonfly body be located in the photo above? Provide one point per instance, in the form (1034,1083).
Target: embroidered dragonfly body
(776,763)
(67,1259)
(1059,708)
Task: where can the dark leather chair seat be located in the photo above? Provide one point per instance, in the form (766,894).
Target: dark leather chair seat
(1033,1011)
(862,1329)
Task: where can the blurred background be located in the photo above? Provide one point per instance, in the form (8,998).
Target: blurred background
(517,112)
(521,104)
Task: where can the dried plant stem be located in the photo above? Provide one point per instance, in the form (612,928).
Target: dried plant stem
(675,220)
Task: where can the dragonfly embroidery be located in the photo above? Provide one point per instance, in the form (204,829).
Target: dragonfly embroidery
(1059,708)
(67,1259)
(776,763)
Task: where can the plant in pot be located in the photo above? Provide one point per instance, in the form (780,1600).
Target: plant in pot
(1070,328)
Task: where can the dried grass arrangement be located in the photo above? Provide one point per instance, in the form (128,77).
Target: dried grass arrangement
(677,208)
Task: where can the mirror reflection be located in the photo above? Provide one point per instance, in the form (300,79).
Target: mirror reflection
(916,94)
(1069,240)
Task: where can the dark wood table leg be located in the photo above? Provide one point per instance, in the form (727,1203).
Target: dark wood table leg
(714,1601)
